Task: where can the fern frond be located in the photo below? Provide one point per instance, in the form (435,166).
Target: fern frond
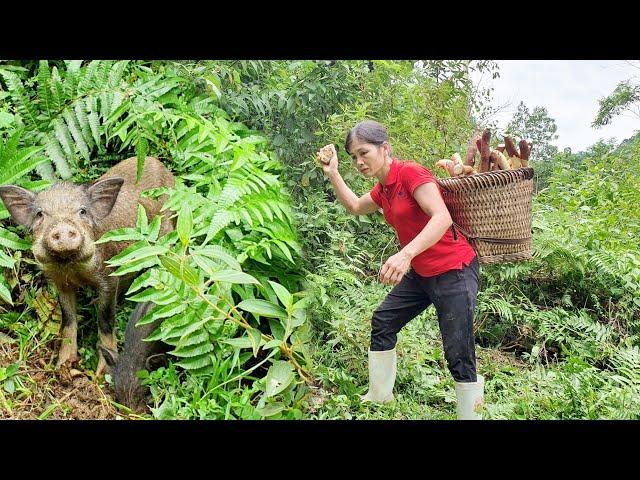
(44,88)
(71,78)
(116,73)
(71,124)
(22,101)
(220,220)
(83,121)
(88,80)
(21,164)
(64,137)
(57,156)
(57,89)
(94,120)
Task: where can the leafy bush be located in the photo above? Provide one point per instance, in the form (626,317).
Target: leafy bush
(224,283)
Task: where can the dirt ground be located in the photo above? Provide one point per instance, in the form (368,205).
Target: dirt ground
(39,391)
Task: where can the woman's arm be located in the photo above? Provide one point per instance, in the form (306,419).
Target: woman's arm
(355,205)
(428,197)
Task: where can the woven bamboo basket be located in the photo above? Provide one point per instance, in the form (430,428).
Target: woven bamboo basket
(493,210)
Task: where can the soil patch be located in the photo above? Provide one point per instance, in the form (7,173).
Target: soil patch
(37,390)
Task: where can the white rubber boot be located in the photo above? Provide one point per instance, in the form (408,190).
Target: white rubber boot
(470,399)
(382,376)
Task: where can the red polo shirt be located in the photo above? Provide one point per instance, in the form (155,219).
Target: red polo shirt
(404,214)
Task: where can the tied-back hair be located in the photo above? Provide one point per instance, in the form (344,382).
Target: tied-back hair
(368,131)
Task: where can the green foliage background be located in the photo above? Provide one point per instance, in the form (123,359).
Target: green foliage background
(557,336)
(225,283)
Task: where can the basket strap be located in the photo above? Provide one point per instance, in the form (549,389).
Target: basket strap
(508,241)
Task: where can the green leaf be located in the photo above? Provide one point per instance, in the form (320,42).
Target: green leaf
(256,339)
(162,296)
(275,343)
(279,377)
(218,253)
(136,265)
(139,254)
(233,276)
(283,295)
(145,279)
(141,222)
(121,235)
(9,386)
(5,294)
(193,350)
(285,249)
(262,307)
(11,240)
(183,272)
(6,119)
(154,228)
(142,148)
(246,341)
(6,261)
(195,363)
(271,409)
(185,223)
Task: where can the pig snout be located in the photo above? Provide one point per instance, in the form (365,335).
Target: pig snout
(63,240)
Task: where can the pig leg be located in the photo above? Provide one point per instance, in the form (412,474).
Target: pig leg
(68,352)
(106,322)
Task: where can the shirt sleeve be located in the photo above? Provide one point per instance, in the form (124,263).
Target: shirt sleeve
(413,175)
(375,194)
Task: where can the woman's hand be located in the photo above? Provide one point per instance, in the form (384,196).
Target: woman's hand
(328,159)
(395,267)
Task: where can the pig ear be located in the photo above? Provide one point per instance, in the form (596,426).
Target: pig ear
(19,202)
(103,195)
(109,356)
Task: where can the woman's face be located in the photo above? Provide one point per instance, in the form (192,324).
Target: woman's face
(367,157)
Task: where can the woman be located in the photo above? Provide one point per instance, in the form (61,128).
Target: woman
(432,267)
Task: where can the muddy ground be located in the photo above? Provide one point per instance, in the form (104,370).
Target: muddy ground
(38,391)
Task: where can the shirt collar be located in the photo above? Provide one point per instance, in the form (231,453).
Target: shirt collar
(392,176)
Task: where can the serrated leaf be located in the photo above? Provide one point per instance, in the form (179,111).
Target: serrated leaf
(138,254)
(121,235)
(279,377)
(154,228)
(233,276)
(158,296)
(136,266)
(142,149)
(141,220)
(145,279)
(6,261)
(193,350)
(169,310)
(218,253)
(195,362)
(262,307)
(11,240)
(180,271)
(185,224)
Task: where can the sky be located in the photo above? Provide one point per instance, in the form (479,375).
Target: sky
(569,90)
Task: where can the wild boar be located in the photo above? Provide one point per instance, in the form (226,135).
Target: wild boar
(66,219)
(136,355)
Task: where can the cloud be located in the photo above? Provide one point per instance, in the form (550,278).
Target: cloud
(569,90)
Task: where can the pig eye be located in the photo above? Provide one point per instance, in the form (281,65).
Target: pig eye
(39,214)
(83,211)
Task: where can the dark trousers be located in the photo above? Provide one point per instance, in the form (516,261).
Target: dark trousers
(454,295)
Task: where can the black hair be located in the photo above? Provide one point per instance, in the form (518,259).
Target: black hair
(368,131)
